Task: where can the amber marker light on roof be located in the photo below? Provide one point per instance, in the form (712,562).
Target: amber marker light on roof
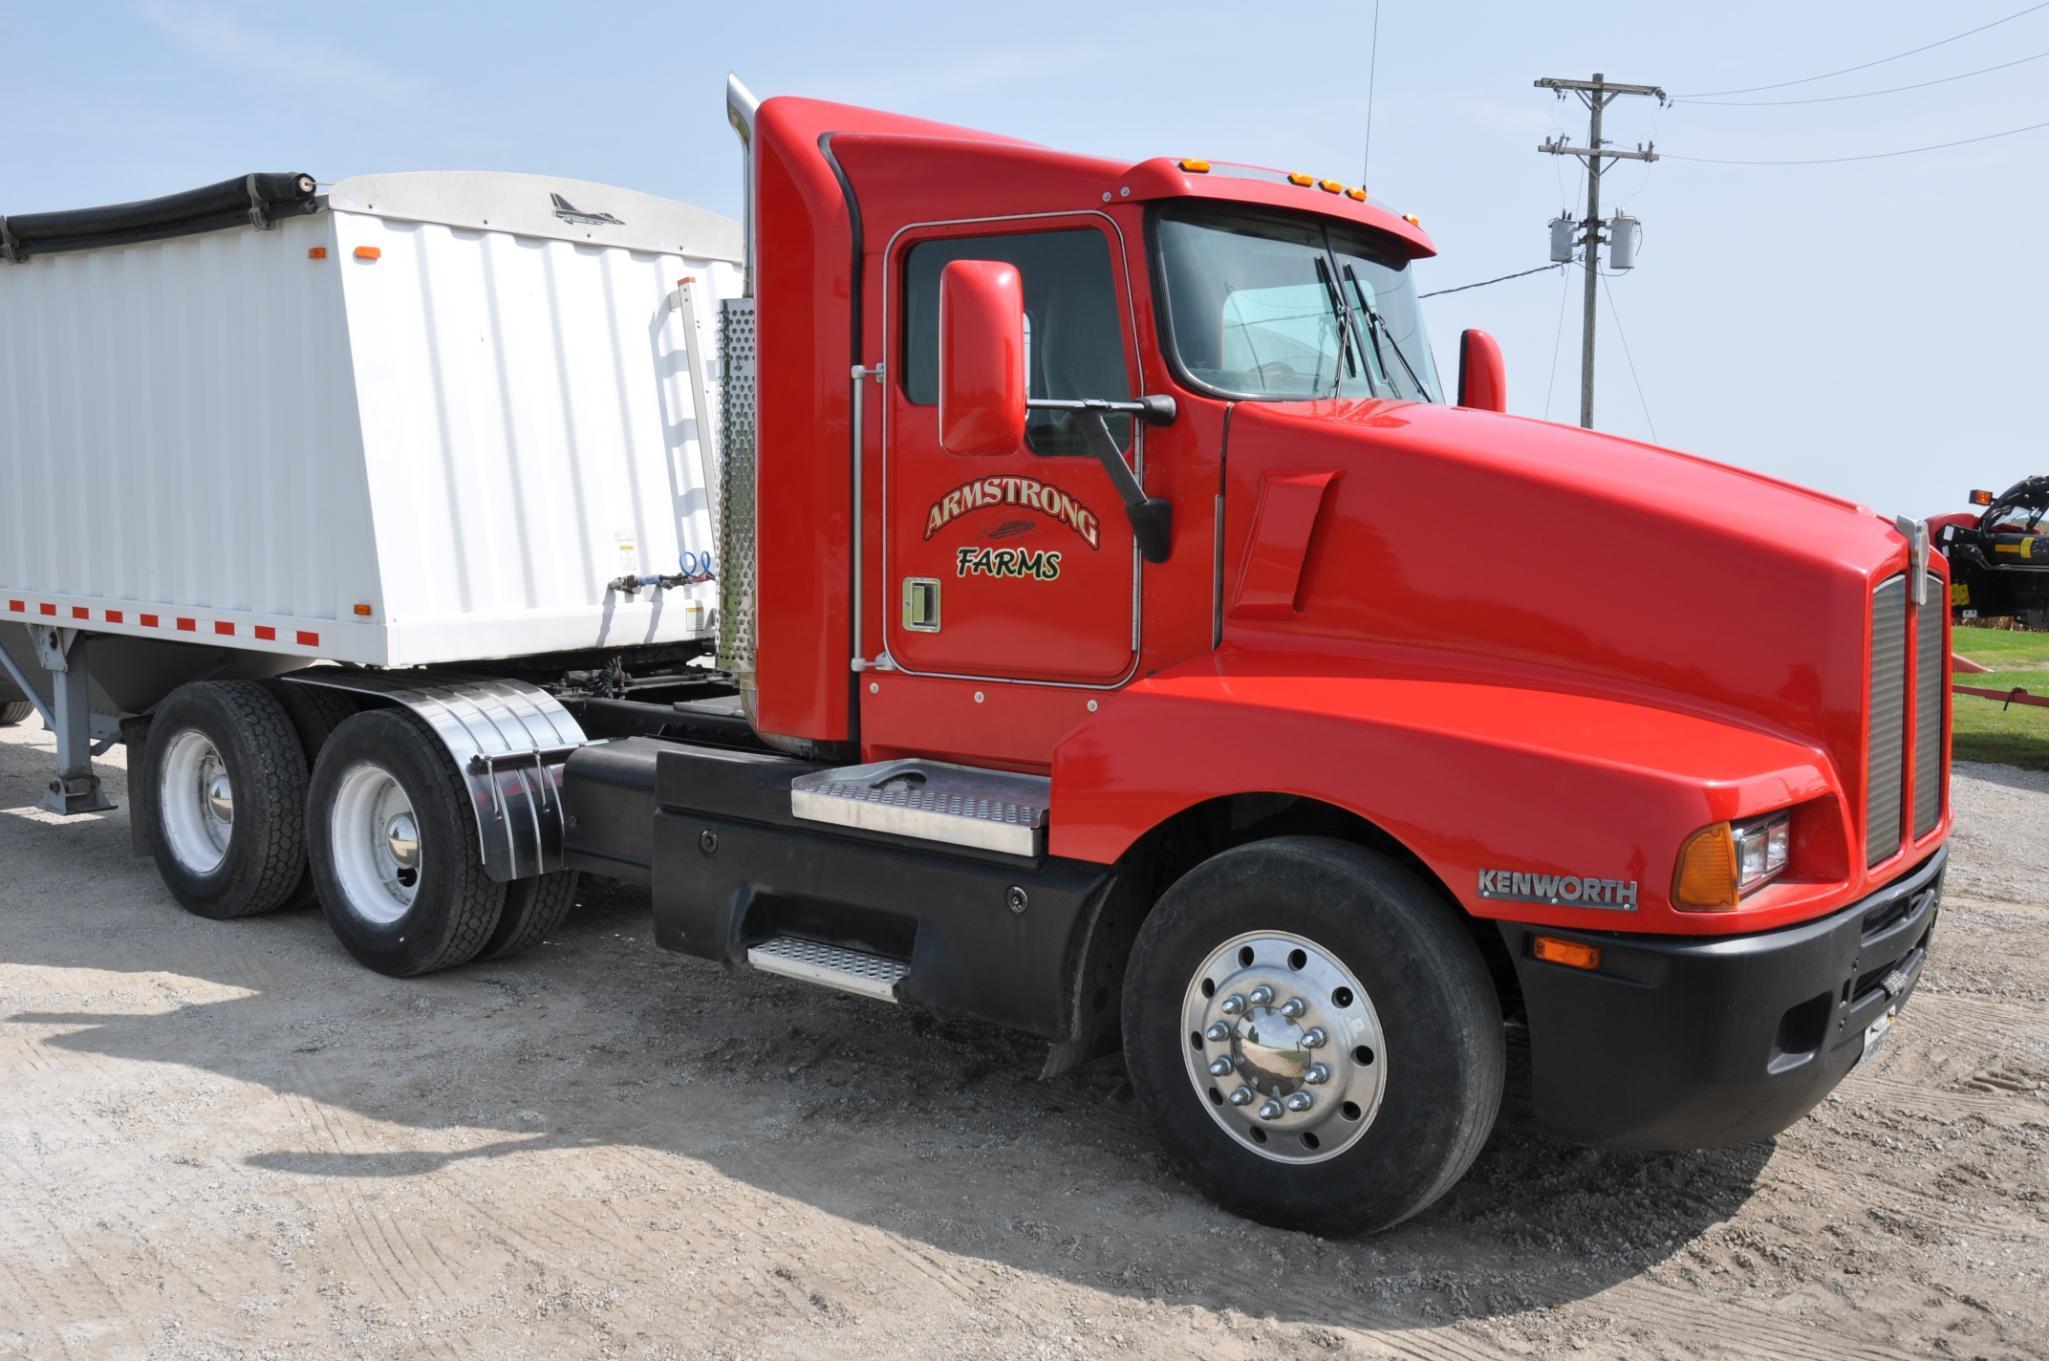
(1304,180)
(1356,195)
(1331,187)
(1195,165)
(1571,953)
(1412,219)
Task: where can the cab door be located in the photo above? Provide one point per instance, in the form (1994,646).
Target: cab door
(1019,566)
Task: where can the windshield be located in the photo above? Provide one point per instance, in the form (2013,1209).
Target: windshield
(1268,307)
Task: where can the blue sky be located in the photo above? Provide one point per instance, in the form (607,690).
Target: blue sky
(1874,329)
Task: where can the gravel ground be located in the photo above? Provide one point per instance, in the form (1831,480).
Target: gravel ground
(227,1140)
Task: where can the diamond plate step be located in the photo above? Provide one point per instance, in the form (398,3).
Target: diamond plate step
(991,810)
(830,966)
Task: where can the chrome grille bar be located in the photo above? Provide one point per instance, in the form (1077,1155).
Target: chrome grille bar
(1885,740)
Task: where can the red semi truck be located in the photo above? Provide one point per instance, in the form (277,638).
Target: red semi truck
(1124,638)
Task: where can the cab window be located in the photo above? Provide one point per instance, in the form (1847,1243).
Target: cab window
(1074,337)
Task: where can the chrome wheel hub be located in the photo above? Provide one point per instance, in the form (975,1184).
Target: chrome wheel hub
(1284,1047)
(196,800)
(376,841)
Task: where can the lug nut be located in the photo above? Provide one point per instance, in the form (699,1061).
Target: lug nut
(1294,1007)
(1219,1067)
(1232,1005)
(1317,1075)
(1269,1109)
(1242,1097)
(1301,1101)
(1261,996)
(1218,1033)
(1315,1038)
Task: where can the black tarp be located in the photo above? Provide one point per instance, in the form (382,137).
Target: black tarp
(231,203)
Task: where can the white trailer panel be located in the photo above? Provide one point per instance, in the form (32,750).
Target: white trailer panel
(427,424)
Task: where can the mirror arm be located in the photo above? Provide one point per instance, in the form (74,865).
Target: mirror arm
(1152,517)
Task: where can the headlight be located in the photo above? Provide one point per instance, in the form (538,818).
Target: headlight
(1719,864)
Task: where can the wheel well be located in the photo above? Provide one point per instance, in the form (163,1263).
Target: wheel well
(1205,829)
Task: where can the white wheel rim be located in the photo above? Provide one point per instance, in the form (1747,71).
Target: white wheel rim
(376,841)
(1284,1047)
(196,802)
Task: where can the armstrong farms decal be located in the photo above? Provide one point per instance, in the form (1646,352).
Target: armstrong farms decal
(1025,563)
(1026,493)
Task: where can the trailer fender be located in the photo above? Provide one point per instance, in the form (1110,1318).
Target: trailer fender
(509,740)
(1472,778)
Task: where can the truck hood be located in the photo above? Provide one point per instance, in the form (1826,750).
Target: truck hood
(1444,542)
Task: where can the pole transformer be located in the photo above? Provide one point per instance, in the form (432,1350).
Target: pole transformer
(1596,94)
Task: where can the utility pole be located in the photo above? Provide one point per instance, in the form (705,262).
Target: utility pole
(1596,94)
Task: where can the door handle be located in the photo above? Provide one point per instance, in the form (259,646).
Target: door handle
(921,604)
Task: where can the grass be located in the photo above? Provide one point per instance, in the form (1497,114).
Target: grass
(1987,730)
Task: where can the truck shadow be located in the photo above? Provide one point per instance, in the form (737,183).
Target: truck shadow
(935,1131)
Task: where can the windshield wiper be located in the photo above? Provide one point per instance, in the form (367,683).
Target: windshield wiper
(1376,326)
(1342,319)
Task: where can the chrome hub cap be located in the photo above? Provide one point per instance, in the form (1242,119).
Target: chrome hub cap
(376,841)
(1284,1047)
(197,802)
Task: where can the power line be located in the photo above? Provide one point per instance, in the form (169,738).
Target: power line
(1871,156)
(1558,342)
(1498,279)
(1623,336)
(1372,68)
(1863,94)
(1865,66)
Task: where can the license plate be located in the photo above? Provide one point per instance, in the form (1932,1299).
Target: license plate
(1875,1033)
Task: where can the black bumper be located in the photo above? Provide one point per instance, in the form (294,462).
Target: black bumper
(1689,1042)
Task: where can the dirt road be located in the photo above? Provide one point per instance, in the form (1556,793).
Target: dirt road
(227,1140)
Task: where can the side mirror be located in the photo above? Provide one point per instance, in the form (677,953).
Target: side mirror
(981,358)
(1482,378)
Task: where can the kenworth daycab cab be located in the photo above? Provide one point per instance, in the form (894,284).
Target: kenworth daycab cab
(1120,659)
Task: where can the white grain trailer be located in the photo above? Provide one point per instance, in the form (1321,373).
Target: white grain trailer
(449,420)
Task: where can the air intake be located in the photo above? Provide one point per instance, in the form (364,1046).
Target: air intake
(1886,711)
(1931,685)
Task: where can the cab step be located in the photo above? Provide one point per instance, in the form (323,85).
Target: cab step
(990,810)
(830,966)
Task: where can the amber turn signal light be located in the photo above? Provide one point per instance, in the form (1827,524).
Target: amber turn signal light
(1570,953)
(1705,879)
(1981,498)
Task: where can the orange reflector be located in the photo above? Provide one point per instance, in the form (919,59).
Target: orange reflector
(369,253)
(1412,219)
(1299,178)
(1195,166)
(1570,953)
(1981,498)
(1356,195)
(316,252)
(1331,187)
(362,610)
(1705,878)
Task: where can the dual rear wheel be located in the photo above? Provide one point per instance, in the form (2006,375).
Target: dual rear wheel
(254,796)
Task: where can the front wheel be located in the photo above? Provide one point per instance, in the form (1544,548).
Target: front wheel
(1314,1035)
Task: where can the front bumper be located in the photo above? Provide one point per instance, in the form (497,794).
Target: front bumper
(1682,1042)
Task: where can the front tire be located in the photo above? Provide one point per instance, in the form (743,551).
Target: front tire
(1314,1035)
(224,783)
(393,844)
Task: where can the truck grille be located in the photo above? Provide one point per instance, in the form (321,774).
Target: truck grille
(1931,688)
(1886,739)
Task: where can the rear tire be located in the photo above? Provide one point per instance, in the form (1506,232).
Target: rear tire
(534,910)
(1284,957)
(393,845)
(316,712)
(225,781)
(15,711)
